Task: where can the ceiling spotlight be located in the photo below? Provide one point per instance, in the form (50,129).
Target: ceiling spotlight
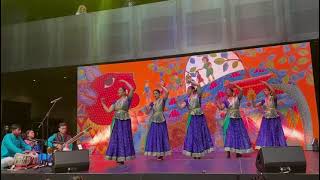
(64,77)
(34,80)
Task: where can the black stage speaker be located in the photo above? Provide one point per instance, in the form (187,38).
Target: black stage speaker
(281,160)
(71,161)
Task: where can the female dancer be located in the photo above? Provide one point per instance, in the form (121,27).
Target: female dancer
(271,132)
(157,143)
(198,140)
(236,138)
(121,142)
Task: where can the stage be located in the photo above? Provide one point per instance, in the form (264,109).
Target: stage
(177,166)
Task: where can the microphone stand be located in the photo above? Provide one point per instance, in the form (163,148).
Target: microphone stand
(46,117)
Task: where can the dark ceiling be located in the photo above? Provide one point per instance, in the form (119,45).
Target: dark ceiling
(40,82)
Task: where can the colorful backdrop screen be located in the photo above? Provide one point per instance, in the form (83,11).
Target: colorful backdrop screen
(287,67)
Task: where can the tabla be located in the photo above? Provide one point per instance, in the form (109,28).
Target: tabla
(22,161)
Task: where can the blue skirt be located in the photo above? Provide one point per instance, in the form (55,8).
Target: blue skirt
(121,142)
(157,142)
(237,139)
(198,140)
(271,133)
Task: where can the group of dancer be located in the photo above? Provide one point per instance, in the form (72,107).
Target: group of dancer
(198,140)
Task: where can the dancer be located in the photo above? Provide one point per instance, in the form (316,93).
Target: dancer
(198,140)
(121,142)
(236,138)
(157,142)
(271,132)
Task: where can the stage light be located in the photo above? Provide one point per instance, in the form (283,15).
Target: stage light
(34,80)
(64,77)
(101,137)
(292,133)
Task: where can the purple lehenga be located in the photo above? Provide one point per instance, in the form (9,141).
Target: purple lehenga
(157,141)
(236,138)
(198,139)
(121,142)
(271,133)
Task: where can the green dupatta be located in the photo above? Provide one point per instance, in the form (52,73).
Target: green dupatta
(225,126)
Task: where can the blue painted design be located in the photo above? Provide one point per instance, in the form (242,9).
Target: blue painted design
(224,55)
(192,61)
(292,58)
(271,57)
(259,50)
(286,48)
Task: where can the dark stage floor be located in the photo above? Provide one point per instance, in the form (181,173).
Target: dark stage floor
(214,163)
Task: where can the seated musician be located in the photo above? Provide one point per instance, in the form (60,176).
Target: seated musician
(31,141)
(57,139)
(12,143)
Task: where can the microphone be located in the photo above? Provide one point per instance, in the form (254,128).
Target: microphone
(53,101)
